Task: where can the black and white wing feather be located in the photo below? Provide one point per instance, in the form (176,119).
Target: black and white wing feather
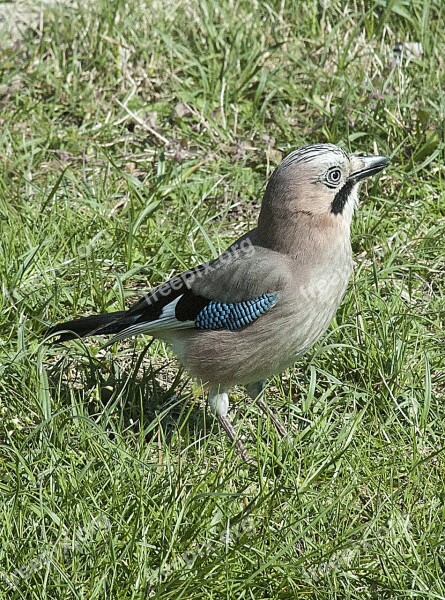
(221,294)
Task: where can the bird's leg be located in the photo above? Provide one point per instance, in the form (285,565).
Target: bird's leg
(219,406)
(256,392)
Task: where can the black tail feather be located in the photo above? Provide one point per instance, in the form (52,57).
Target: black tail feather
(102,324)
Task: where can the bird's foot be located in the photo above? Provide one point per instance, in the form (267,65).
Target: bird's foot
(219,406)
(226,424)
(256,392)
(266,410)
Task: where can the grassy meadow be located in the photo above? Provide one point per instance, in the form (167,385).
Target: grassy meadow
(136,138)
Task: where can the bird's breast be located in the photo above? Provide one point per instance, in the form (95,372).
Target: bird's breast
(304,310)
(308,311)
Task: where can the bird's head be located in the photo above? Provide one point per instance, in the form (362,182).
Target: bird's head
(319,181)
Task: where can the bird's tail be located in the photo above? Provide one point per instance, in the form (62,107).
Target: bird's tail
(102,324)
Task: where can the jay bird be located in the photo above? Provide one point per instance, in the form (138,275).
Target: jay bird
(257,308)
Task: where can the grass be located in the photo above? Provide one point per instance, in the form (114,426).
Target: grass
(136,139)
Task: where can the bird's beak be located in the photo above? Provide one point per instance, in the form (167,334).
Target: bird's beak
(368,165)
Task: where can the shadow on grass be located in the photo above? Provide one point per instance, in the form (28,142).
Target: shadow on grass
(135,395)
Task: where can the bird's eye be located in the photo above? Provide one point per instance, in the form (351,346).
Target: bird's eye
(333,176)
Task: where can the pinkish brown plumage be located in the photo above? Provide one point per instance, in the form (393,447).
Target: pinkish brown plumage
(256,309)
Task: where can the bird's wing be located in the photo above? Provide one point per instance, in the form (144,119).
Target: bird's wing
(229,292)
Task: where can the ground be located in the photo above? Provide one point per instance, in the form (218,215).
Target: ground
(136,140)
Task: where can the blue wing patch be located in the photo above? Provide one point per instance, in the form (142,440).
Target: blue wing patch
(221,315)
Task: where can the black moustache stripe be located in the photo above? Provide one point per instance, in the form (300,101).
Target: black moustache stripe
(342,197)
